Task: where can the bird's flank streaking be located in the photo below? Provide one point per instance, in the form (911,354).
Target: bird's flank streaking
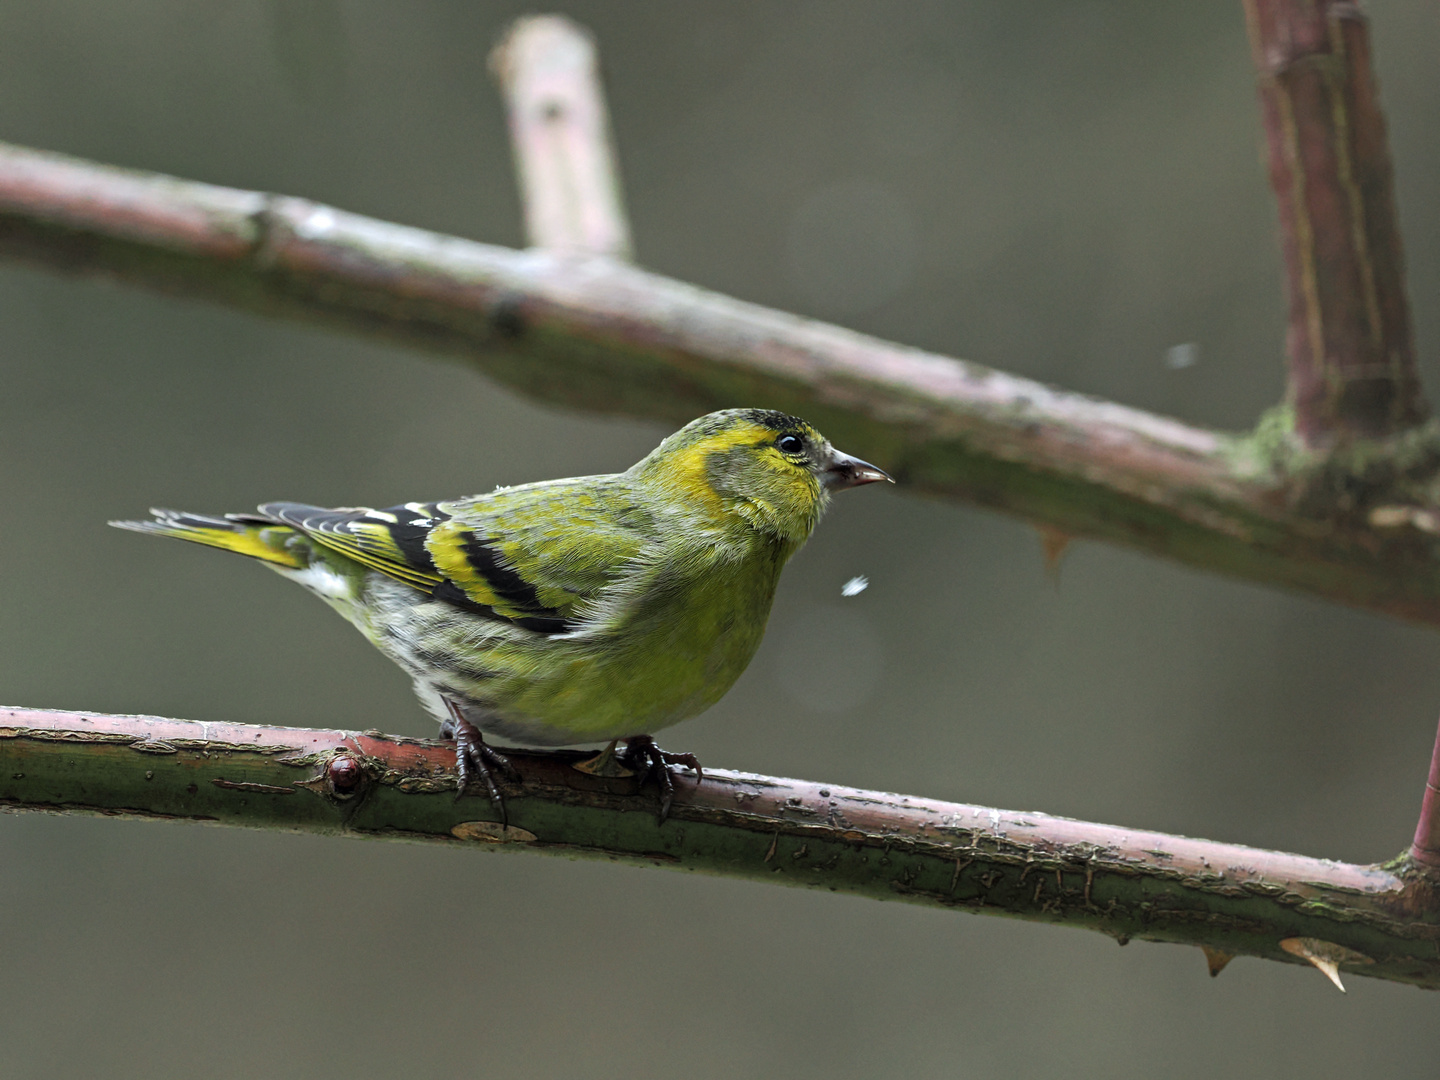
(591,609)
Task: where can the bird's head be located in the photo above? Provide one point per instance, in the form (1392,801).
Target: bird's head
(774,471)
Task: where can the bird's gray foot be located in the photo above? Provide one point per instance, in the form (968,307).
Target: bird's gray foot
(647,759)
(474,758)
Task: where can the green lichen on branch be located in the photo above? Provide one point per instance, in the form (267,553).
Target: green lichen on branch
(1271,450)
(1355,478)
(1376,487)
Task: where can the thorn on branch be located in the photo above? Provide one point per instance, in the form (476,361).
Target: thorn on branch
(1216,959)
(1325,955)
(1053,545)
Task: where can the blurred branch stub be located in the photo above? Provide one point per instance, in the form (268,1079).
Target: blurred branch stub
(1122,882)
(547,67)
(1349,340)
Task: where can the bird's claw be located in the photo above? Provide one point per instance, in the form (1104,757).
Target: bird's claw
(649,760)
(474,757)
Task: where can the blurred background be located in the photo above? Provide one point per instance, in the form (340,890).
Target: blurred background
(1071,191)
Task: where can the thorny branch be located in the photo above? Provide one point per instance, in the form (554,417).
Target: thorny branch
(1373,920)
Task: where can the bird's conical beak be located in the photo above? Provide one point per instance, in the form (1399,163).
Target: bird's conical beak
(845,471)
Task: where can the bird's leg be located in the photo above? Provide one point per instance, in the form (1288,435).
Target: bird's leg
(648,760)
(472,753)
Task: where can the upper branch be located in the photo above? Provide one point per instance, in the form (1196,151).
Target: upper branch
(1349,340)
(1378,921)
(598,334)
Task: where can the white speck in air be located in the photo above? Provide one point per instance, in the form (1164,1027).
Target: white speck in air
(1182,356)
(855,586)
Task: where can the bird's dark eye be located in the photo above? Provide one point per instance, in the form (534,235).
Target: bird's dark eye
(790,444)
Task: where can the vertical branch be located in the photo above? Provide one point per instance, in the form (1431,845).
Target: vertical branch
(1351,350)
(1426,848)
(560,131)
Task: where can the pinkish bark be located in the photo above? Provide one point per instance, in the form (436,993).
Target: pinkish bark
(1128,883)
(1426,848)
(1352,371)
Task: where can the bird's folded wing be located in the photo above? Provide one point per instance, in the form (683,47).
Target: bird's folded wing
(540,549)
(391,541)
(528,554)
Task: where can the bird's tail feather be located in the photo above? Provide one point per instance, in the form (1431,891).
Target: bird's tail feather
(246,534)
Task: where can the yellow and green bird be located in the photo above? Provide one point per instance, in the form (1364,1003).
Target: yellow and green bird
(592,609)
